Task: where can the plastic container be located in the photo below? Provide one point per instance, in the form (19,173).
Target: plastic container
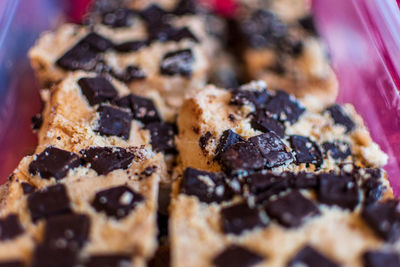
(362,37)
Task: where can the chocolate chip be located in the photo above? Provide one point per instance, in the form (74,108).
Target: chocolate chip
(84,55)
(37,122)
(130,46)
(67,230)
(12,264)
(117,202)
(337,149)
(185,7)
(262,29)
(97,90)
(305,150)
(177,35)
(275,152)
(54,162)
(372,185)
(263,122)
(338,190)
(46,256)
(266,184)
(148,171)
(10,227)
(292,209)
(177,63)
(112,260)
(241,156)
(340,117)
(241,217)
(106,159)
(227,139)
(304,180)
(310,257)
(308,24)
(143,109)
(153,15)
(237,256)
(203,141)
(117,18)
(381,258)
(130,74)
(208,187)
(162,136)
(242,97)
(114,121)
(27,188)
(51,201)
(384,219)
(285,107)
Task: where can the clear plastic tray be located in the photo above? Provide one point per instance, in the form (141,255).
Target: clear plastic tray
(362,37)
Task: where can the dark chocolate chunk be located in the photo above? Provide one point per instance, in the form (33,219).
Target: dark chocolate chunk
(143,109)
(84,55)
(237,256)
(338,190)
(97,90)
(337,149)
(130,46)
(310,257)
(263,122)
(37,122)
(154,15)
(10,227)
(117,18)
(114,121)
(51,201)
(384,219)
(13,263)
(264,185)
(305,150)
(109,260)
(117,202)
(67,230)
(244,97)
(381,258)
(242,156)
(340,117)
(162,136)
(227,139)
(184,7)
(50,256)
(180,34)
(240,217)
(106,159)
(177,63)
(291,210)
(208,187)
(275,152)
(308,24)
(27,188)
(304,180)
(203,141)
(285,107)
(262,29)
(130,74)
(372,185)
(54,162)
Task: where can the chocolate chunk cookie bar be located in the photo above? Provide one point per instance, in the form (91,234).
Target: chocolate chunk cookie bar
(155,51)
(269,181)
(286,54)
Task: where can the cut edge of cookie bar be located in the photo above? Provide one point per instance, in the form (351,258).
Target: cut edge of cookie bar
(196,224)
(123,229)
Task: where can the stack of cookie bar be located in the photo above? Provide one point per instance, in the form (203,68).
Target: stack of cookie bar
(257,177)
